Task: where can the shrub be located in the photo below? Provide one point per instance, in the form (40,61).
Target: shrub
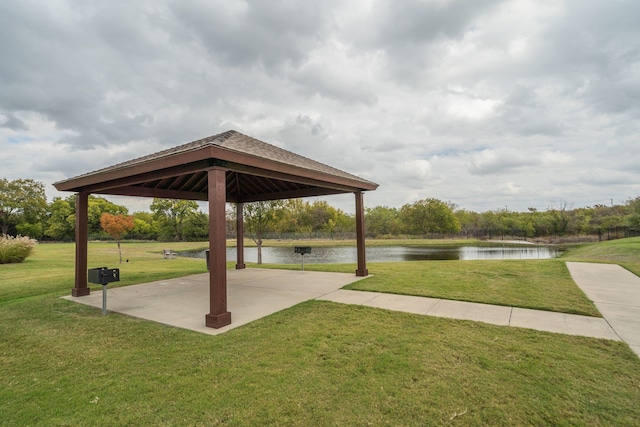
(15,249)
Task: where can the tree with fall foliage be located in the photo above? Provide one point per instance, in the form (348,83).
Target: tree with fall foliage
(116,226)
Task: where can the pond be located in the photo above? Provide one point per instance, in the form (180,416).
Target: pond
(347,254)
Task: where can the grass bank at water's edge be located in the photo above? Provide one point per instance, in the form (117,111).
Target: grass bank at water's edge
(625,252)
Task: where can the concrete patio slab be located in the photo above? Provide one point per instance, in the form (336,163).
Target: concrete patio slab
(251,294)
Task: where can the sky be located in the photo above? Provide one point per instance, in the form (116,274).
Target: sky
(487,104)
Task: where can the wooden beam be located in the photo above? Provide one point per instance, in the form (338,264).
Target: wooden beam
(362,261)
(82,236)
(240,236)
(178,160)
(136,191)
(218,315)
(313,179)
(282,168)
(138,178)
(292,194)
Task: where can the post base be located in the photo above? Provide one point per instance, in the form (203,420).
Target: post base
(362,273)
(218,320)
(241,266)
(80,292)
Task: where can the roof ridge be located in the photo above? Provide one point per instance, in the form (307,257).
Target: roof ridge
(292,155)
(238,142)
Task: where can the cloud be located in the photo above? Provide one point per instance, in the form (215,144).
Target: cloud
(486,103)
(413,23)
(501,161)
(462,103)
(511,188)
(266,34)
(603,177)
(330,72)
(415,173)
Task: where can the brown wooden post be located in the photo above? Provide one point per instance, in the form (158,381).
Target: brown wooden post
(240,236)
(218,316)
(82,236)
(362,261)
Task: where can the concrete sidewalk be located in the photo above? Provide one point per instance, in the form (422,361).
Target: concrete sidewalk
(616,293)
(570,324)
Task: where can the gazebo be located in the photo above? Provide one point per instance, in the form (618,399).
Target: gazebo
(228,167)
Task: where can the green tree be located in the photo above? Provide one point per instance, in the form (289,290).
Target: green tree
(344,222)
(609,218)
(171,215)
(259,217)
(511,223)
(634,217)
(469,222)
(61,216)
(293,217)
(559,219)
(382,221)
(541,223)
(196,226)
(429,216)
(61,221)
(320,216)
(28,229)
(22,201)
(143,227)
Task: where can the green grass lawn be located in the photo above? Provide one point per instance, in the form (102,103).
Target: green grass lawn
(317,363)
(541,285)
(51,269)
(625,252)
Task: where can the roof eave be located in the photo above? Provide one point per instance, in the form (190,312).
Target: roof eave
(104,179)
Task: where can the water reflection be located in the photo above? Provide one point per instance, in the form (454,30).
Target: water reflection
(347,254)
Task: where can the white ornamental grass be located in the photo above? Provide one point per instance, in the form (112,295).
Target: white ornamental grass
(15,249)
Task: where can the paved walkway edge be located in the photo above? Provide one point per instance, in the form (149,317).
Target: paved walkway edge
(570,324)
(615,292)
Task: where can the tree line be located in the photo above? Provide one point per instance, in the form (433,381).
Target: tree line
(24,210)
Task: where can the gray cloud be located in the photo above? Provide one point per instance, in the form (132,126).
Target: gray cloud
(268,34)
(481,103)
(412,23)
(491,161)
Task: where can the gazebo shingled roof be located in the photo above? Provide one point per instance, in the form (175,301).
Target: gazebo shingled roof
(255,171)
(228,167)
